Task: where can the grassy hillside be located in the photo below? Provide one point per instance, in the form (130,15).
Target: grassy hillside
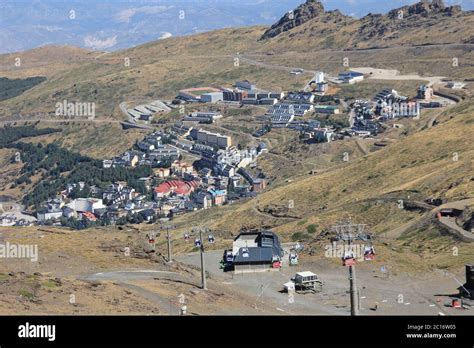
(161,68)
(417,163)
(43,61)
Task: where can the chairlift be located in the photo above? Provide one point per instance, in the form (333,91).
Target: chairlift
(186,236)
(369,253)
(293,258)
(197,243)
(348,259)
(228,256)
(211,239)
(245,252)
(276,262)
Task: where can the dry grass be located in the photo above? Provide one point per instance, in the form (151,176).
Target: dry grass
(419,159)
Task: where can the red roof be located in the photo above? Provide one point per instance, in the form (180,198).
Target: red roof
(89,216)
(177,186)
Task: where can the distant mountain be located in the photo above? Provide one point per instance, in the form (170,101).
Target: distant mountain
(425,22)
(303,13)
(420,15)
(117,24)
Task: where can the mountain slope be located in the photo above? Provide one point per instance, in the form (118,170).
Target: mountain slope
(419,24)
(367,189)
(419,166)
(43,61)
(159,69)
(302,14)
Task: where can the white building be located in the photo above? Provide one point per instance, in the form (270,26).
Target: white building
(323,135)
(319,77)
(83,205)
(49,215)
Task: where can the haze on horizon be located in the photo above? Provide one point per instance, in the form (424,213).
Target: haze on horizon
(112,25)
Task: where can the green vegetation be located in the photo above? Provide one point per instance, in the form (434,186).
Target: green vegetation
(311,228)
(299,236)
(302,222)
(59,167)
(26,294)
(53,161)
(9,134)
(50,283)
(12,88)
(331,122)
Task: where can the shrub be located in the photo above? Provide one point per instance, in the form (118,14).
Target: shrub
(311,228)
(298,236)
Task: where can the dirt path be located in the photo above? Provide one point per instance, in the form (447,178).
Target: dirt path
(270,66)
(361,146)
(164,304)
(428,215)
(386,74)
(56,120)
(125,279)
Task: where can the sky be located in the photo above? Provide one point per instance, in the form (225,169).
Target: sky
(118,24)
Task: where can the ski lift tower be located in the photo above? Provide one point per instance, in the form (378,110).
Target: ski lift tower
(349,232)
(165,225)
(200,244)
